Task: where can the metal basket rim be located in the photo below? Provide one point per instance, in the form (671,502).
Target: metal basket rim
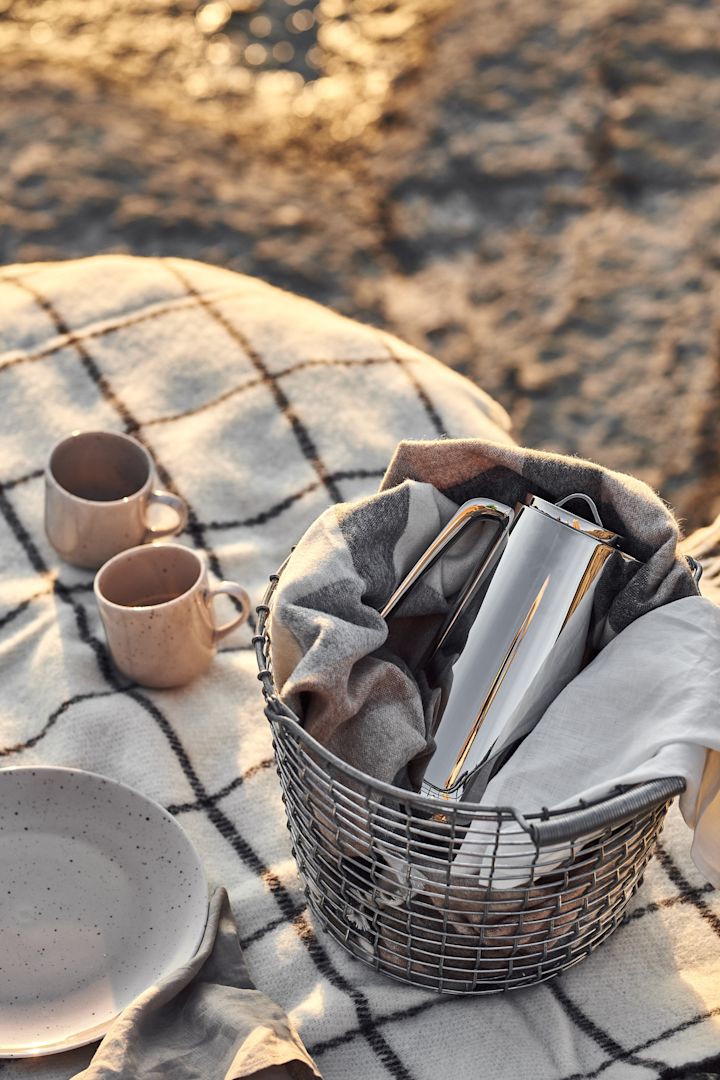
(552,825)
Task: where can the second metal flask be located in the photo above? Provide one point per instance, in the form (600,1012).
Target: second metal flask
(516,634)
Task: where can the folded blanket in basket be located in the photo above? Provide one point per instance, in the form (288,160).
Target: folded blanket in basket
(351,684)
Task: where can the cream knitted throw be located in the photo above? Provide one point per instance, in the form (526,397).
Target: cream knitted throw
(261,409)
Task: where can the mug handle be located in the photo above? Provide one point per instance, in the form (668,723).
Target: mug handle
(230,588)
(166,498)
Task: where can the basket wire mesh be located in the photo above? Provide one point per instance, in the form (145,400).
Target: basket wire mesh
(455,897)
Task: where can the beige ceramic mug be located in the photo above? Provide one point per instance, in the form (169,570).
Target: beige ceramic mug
(98,488)
(156,606)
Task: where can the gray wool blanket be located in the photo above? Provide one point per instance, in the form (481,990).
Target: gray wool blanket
(262,410)
(331,654)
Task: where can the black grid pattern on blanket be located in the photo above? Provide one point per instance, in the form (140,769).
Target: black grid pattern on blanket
(261,409)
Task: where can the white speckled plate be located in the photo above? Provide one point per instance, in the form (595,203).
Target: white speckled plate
(101,894)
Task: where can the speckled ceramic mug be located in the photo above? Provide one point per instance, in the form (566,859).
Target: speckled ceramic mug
(156,606)
(98,488)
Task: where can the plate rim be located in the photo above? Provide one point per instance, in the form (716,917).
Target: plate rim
(78,1039)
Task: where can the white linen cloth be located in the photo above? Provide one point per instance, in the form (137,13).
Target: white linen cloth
(203,1019)
(224,375)
(646,707)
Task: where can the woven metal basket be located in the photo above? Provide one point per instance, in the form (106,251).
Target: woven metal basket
(388,875)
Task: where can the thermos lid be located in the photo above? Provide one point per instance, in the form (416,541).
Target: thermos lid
(557,510)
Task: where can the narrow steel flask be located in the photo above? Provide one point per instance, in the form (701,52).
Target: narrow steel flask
(516,635)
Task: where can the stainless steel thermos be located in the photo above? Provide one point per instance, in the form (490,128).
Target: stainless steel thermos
(522,620)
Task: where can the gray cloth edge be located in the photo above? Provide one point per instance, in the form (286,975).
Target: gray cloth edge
(280,1050)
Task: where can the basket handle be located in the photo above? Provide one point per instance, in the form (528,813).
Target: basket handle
(579,823)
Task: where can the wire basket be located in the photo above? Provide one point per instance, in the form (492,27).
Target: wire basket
(460,898)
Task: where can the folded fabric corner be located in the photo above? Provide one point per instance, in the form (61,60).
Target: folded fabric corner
(204,1021)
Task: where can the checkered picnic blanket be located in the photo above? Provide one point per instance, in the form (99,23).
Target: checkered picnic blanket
(261,409)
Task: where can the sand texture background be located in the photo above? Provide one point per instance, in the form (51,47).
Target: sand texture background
(528,190)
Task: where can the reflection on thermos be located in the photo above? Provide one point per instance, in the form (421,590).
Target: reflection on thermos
(517,634)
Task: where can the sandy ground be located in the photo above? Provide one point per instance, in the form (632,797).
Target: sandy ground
(528,190)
